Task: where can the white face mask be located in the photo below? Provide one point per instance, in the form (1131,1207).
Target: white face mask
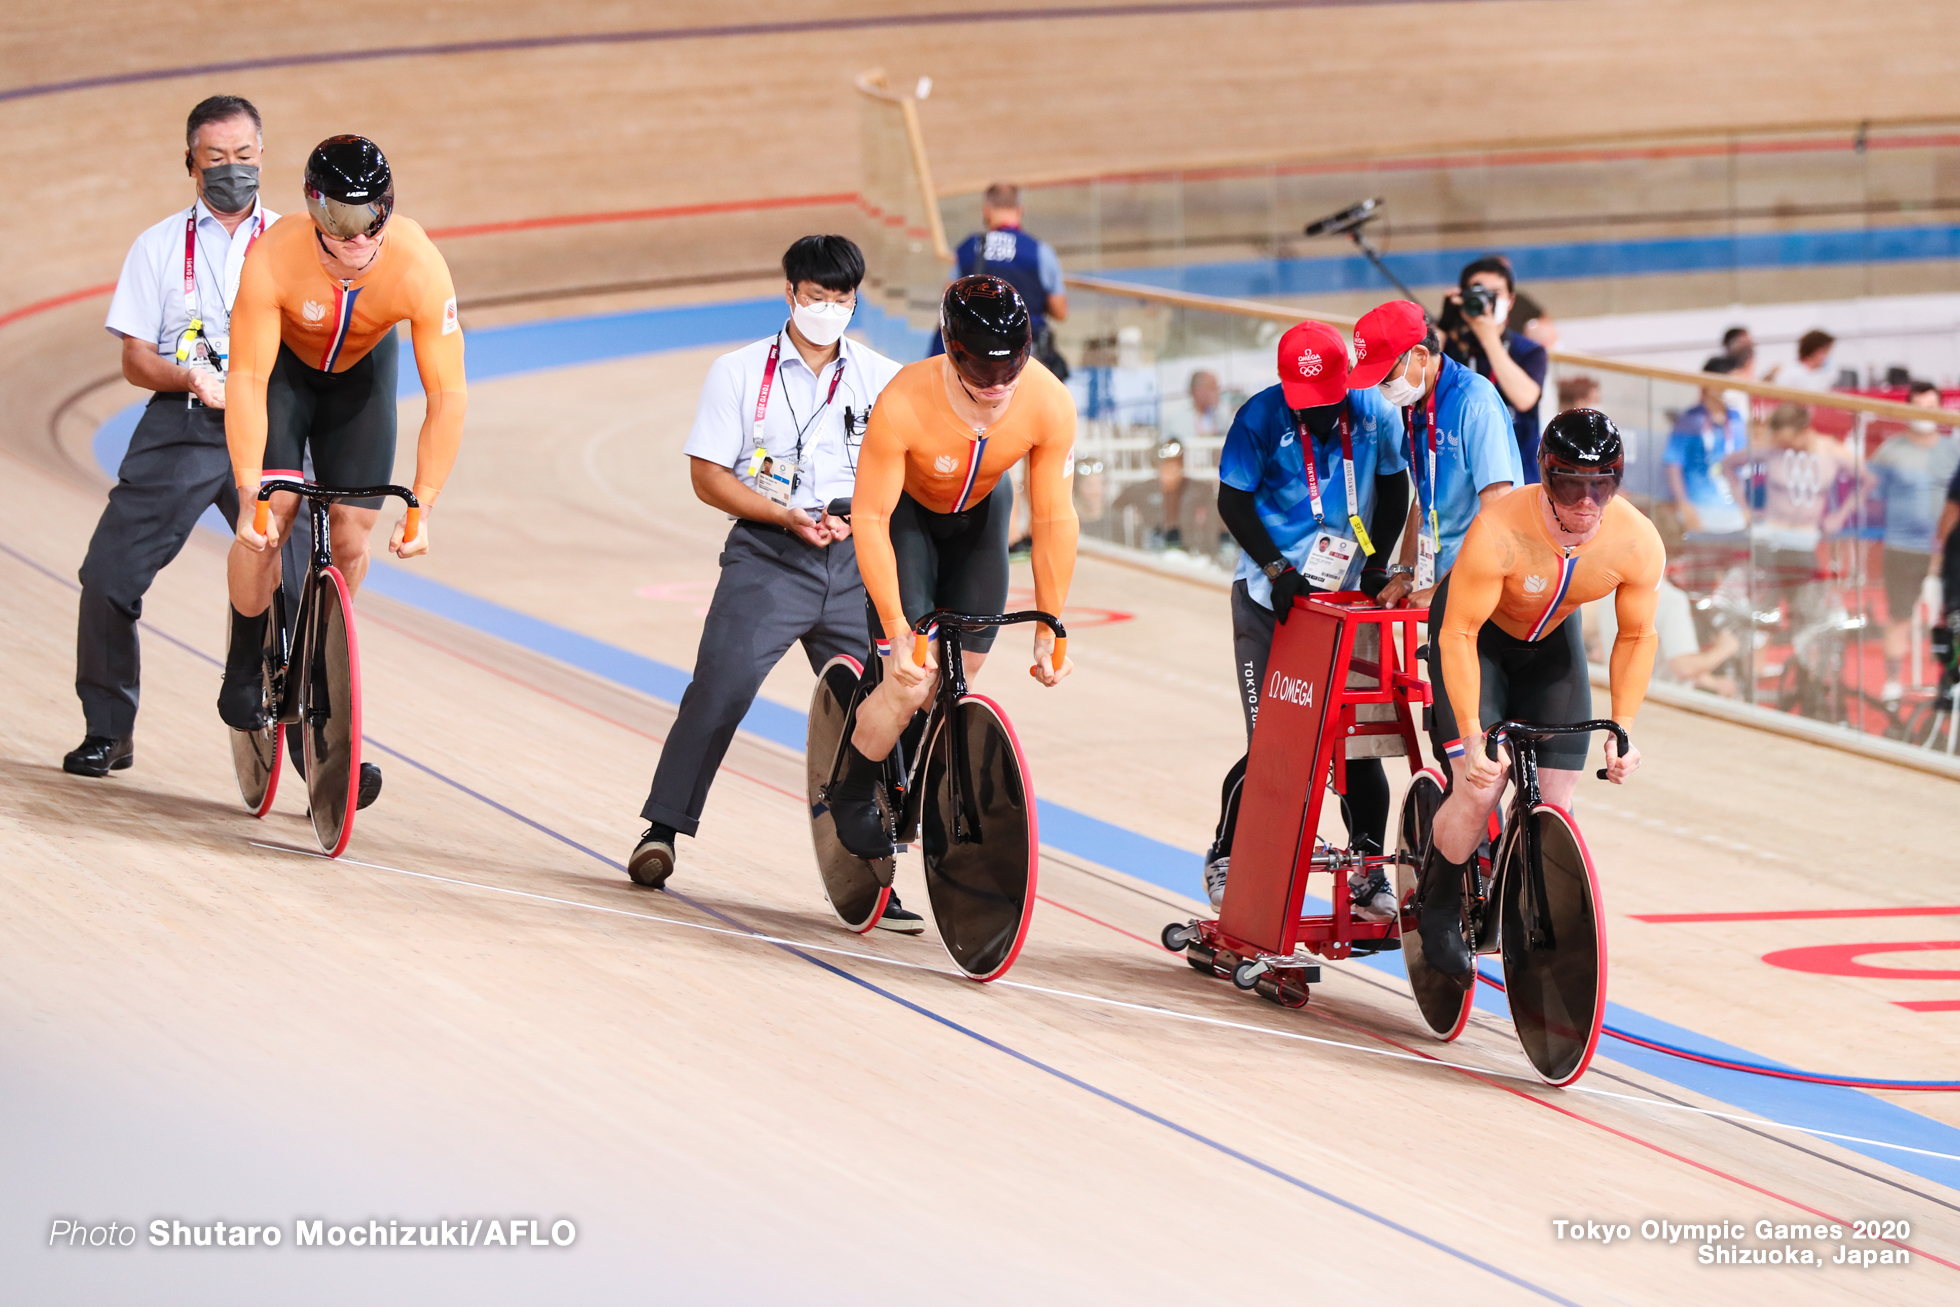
(822,322)
(1400,392)
(1921,425)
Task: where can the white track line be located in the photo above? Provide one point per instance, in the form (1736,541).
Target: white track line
(1104,1001)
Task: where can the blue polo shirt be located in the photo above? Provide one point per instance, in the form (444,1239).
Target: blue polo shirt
(1476,447)
(1262,456)
(1697,446)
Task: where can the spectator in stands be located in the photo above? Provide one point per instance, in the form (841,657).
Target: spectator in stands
(1812,370)
(1915,468)
(1703,436)
(1737,342)
(1578,392)
(1209,422)
(1681,659)
(1476,319)
(1783,490)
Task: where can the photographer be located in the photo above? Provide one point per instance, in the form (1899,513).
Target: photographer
(1476,335)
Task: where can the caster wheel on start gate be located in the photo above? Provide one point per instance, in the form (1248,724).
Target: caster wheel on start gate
(1178,935)
(1246,975)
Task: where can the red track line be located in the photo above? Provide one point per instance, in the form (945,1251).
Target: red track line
(1805,914)
(1929,1004)
(1100,922)
(1612,1130)
(42,306)
(559,698)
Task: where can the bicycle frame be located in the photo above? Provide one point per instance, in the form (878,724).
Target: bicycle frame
(905,777)
(298,649)
(1524,737)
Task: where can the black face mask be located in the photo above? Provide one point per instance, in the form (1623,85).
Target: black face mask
(1321,420)
(229,187)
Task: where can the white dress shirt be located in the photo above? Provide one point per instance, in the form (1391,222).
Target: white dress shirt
(149,302)
(724,424)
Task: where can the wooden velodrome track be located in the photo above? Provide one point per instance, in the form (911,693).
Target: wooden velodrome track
(475,1015)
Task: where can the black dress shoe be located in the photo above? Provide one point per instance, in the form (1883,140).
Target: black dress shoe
(370,785)
(98,755)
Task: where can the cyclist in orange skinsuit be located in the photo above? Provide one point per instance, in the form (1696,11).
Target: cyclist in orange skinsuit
(1508,645)
(314,362)
(931,512)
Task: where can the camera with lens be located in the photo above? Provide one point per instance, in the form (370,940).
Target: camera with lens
(1478,301)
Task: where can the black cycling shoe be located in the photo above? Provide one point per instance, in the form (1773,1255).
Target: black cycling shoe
(370,785)
(1439,902)
(241,698)
(901,919)
(653,857)
(98,755)
(854,808)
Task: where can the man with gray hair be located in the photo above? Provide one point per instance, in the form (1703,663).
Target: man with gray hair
(172,313)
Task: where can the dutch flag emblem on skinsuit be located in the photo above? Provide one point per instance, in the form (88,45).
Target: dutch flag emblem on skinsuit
(343,308)
(972,471)
(1567,566)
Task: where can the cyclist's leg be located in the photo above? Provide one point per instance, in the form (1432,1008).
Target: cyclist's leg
(1464,817)
(1557,688)
(252,576)
(289,408)
(972,574)
(887,709)
(353,442)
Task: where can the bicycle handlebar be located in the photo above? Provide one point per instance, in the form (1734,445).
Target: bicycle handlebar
(1532,731)
(978,622)
(261,515)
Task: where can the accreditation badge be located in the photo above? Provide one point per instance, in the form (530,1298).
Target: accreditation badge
(1425,560)
(1326,563)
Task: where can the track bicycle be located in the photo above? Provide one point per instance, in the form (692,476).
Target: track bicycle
(1539,907)
(956,783)
(313,678)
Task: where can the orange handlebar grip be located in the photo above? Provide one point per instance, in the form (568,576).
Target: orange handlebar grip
(1061,651)
(261,515)
(411,525)
(919,643)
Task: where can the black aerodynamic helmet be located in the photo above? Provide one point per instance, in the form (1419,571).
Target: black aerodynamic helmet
(1580,453)
(349,189)
(985,326)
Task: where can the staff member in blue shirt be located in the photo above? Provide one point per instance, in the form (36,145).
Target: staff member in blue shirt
(1324,523)
(1461,444)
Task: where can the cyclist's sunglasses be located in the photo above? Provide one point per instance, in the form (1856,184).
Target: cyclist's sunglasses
(1567,489)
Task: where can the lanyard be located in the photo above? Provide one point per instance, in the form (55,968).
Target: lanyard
(1415,450)
(1347,475)
(768,384)
(196,328)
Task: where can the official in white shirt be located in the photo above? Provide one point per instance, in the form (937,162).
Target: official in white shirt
(172,311)
(775,441)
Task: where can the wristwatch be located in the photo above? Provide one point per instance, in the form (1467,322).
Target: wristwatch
(1396,569)
(1273,569)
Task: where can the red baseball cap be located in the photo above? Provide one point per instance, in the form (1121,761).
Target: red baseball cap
(1384,334)
(1313,365)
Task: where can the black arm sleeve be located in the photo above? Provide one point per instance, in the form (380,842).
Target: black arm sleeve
(1241,518)
(1391,512)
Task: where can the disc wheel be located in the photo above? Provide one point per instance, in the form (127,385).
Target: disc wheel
(255,754)
(858,890)
(980,877)
(330,714)
(1554,947)
(1444,1001)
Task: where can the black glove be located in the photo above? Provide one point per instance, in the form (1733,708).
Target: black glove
(1288,586)
(1372,581)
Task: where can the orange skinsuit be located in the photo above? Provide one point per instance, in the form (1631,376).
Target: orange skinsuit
(285,295)
(1509,572)
(916,443)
